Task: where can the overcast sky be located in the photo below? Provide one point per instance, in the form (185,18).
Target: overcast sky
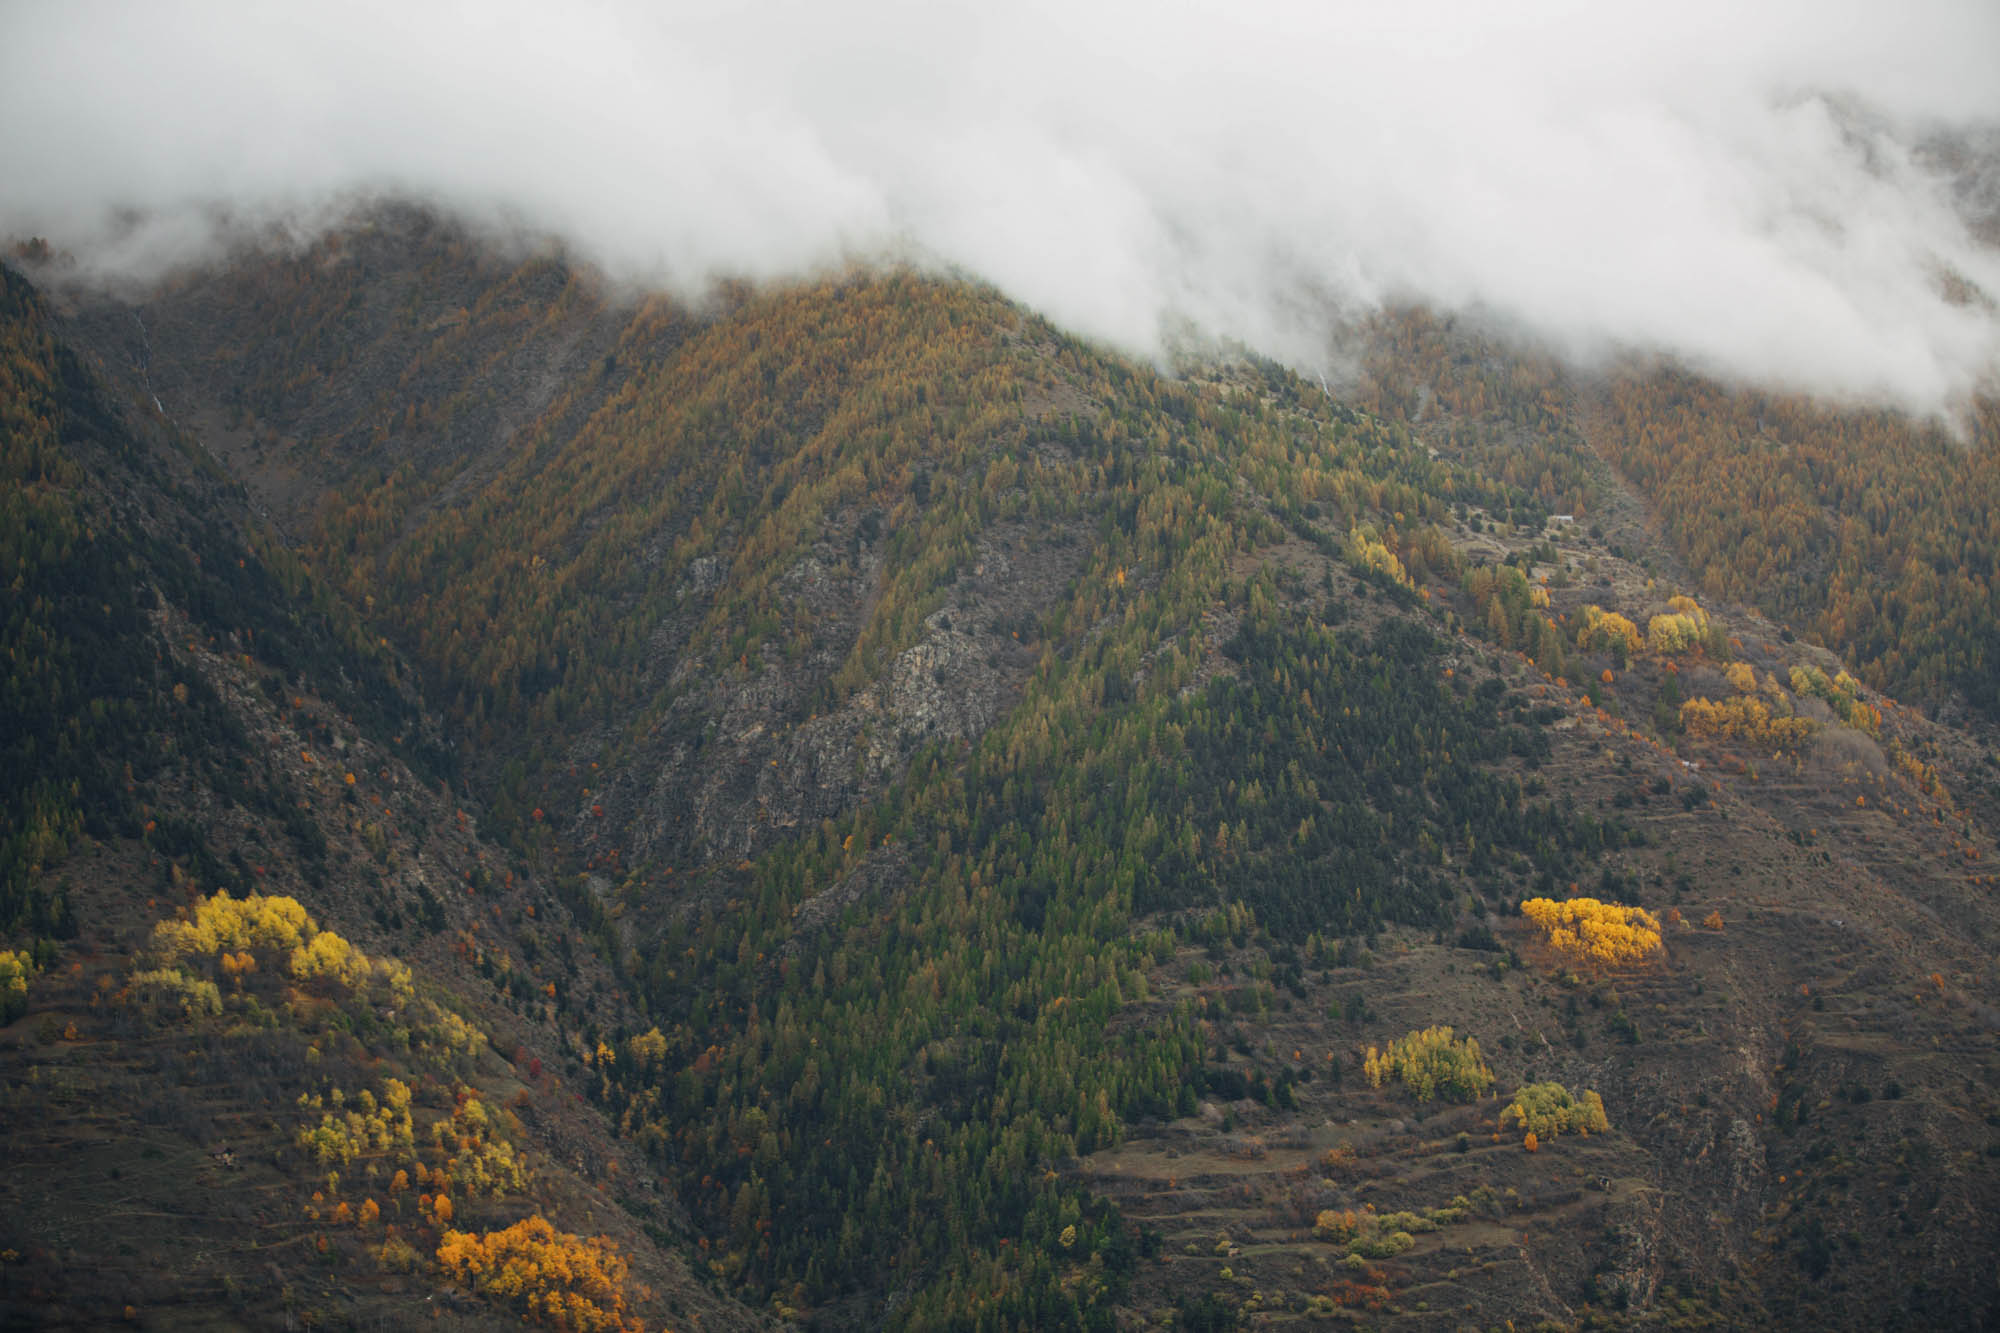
(1727,182)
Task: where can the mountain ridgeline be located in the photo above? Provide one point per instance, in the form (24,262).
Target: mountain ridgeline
(968,812)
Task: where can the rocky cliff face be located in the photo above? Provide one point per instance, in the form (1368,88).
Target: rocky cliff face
(741,759)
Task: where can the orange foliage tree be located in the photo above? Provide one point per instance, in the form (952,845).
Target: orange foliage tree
(571,1282)
(1743,718)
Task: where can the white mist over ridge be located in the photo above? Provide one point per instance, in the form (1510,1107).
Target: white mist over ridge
(1733,185)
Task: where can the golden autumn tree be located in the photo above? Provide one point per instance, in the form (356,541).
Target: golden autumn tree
(1743,718)
(570,1282)
(1589,931)
(1546,1110)
(1672,633)
(17,968)
(1431,1063)
(228,933)
(1607,631)
(1367,551)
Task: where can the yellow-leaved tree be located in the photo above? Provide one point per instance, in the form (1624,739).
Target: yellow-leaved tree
(1607,631)
(1672,633)
(16,969)
(1431,1063)
(1366,549)
(227,935)
(1548,1109)
(1589,931)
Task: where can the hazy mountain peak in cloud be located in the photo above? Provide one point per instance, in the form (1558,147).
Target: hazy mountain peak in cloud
(1735,188)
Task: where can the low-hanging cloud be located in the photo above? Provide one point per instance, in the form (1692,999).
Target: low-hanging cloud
(1736,185)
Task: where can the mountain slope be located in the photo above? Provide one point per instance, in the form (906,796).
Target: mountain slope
(1862,529)
(1015,791)
(191,725)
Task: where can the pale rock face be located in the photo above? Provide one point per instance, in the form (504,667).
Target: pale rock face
(743,758)
(1746,1156)
(943,687)
(704,575)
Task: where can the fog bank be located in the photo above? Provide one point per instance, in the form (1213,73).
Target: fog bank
(1739,186)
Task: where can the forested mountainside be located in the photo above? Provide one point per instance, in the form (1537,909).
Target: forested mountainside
(997,837)
(1864,530)
(271,1019)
